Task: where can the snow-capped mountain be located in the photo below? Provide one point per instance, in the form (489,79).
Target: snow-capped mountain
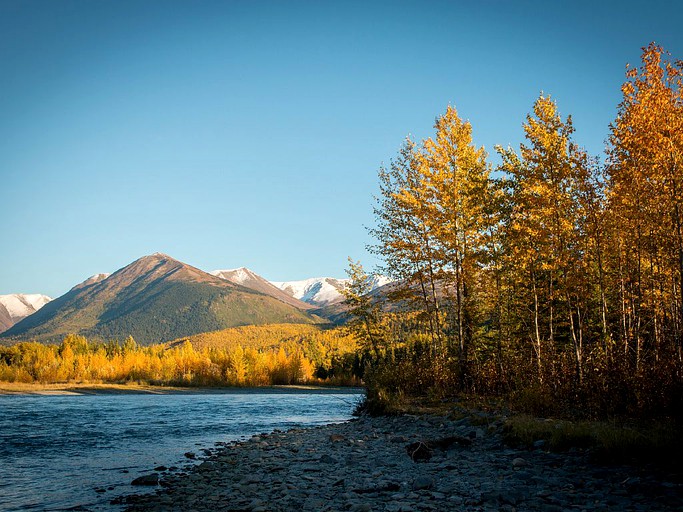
(379,281)
(241,275)
(323,291)
(18,306)
(319,291)
(249,279)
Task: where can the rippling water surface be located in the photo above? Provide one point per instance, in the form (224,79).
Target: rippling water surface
(80,451)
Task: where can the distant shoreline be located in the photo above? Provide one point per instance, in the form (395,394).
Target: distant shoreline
(20,388)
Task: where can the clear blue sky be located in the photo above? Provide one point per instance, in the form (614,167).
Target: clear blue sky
(239,133)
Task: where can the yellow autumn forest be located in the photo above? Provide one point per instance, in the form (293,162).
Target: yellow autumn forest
(244,356)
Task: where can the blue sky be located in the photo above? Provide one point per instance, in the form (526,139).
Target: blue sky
(232,134)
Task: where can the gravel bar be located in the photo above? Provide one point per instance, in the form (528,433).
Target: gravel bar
(401,464)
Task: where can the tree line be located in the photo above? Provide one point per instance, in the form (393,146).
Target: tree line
(551,275)
(247,356)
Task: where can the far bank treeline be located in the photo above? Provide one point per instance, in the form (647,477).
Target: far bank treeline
(242,356)
(552,277)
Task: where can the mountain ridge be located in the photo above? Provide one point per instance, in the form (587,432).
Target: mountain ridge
(154,299)
(248,278)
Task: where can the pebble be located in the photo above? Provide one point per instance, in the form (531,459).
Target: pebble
(364,465)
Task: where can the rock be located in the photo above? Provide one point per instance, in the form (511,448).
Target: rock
(190,455)
(335,438)
(326,459)
(519,462)
(152,479)
(160,468)
(423,482)
(540,444)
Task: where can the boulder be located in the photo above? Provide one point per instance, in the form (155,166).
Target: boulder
(152,479)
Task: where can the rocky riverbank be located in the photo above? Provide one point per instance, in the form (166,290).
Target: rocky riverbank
(405,463)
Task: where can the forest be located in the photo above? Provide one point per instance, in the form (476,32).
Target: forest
(553,278)
(280,354)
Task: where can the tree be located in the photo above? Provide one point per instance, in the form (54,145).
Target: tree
(457,193)
(645,179)
(404,239)
(544,233)
(365,320)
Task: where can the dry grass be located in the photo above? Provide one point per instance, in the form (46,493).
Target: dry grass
(612,442)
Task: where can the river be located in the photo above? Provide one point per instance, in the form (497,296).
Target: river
(78,452)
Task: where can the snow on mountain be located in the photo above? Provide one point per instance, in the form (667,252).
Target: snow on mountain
(379,281)
(91,280)
(323,291)
(249,279)
(318,291)
(240,275)
(20,305)
(95,279)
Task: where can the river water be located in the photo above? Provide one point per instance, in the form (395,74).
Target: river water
(78,452)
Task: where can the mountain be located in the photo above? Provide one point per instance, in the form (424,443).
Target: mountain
(322,291)
(318,291)
(249,279)
(16,307)
(156,298)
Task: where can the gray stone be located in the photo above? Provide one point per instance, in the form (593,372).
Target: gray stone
(519,462)
(152,479)
(423,482)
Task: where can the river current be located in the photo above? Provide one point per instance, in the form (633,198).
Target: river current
(78,452)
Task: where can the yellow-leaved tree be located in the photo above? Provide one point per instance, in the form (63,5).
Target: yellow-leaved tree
(546,235)
(646,201)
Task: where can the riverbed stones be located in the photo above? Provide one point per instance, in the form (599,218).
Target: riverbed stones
(364,465)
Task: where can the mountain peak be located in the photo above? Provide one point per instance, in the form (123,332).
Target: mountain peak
(156,257)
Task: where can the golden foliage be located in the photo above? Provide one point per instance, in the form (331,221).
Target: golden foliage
(245,356)
(556,277)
